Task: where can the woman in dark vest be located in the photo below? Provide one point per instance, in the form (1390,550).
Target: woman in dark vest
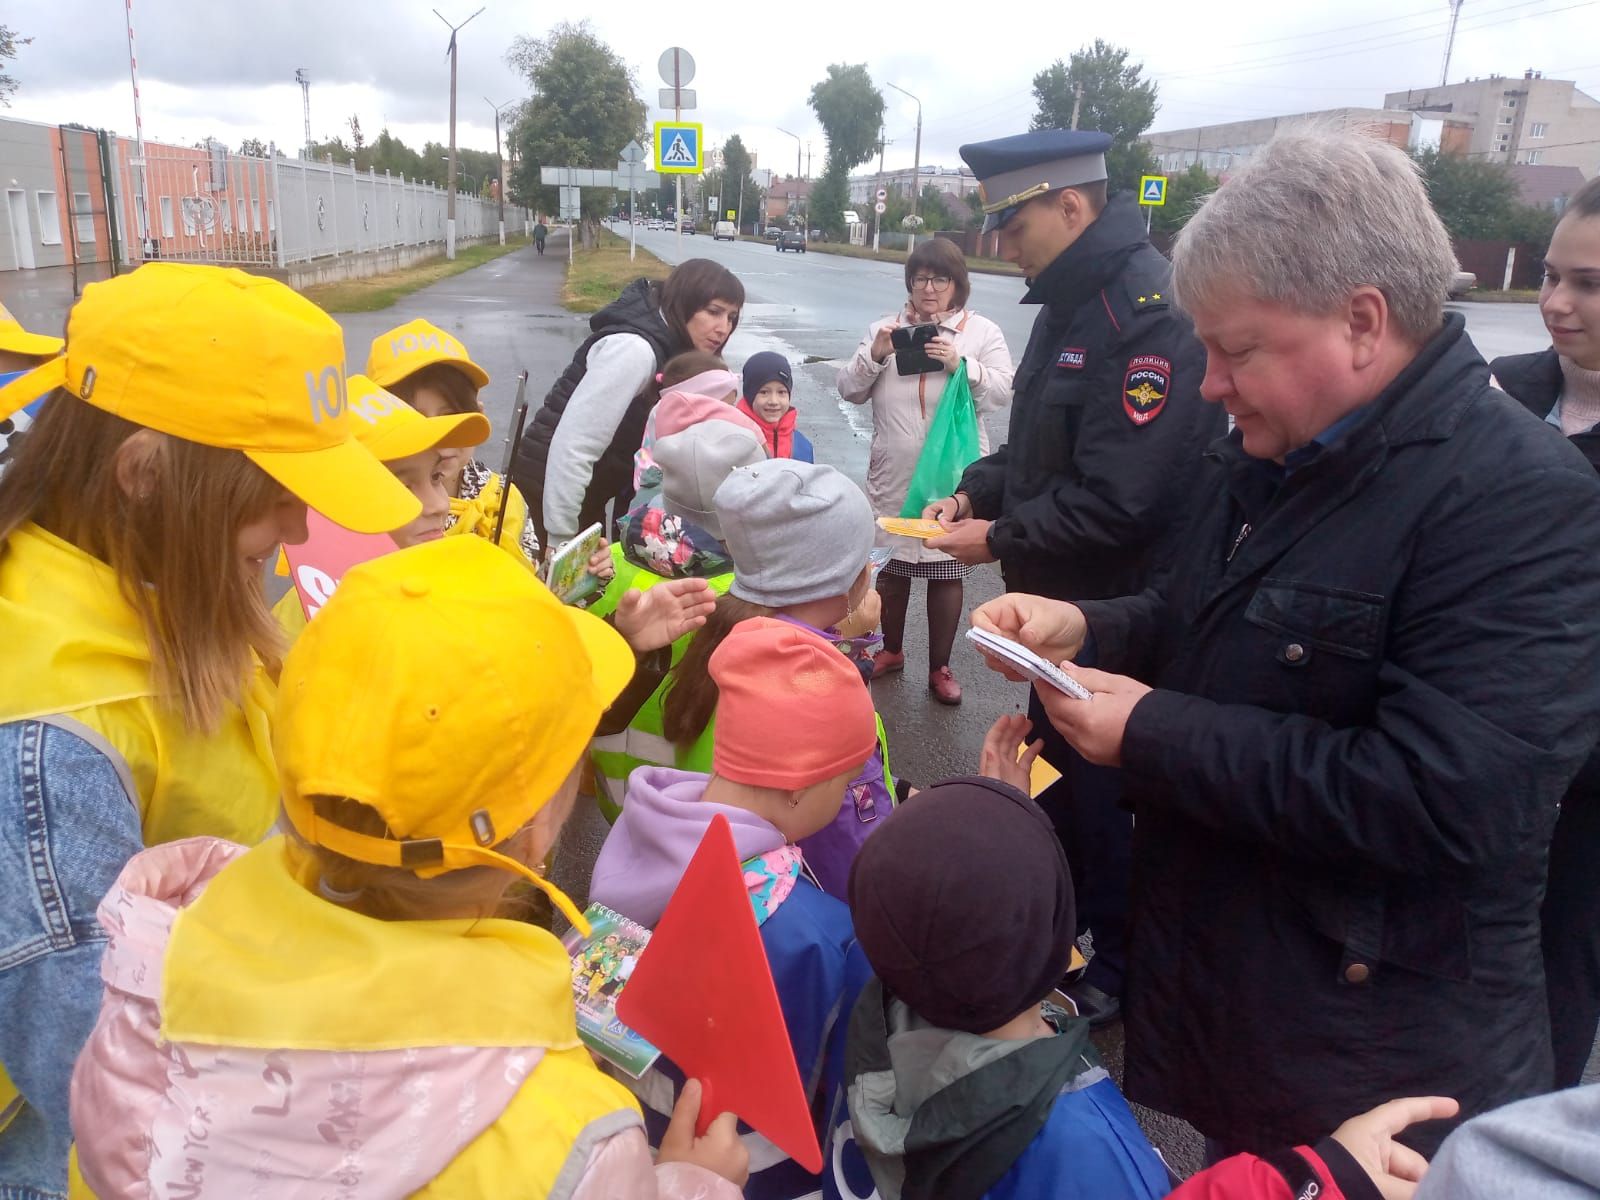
(1561,385)
(577,454)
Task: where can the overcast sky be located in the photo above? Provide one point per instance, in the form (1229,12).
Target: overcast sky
(227,69)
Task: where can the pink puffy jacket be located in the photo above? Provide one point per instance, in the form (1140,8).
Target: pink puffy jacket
(141,1107)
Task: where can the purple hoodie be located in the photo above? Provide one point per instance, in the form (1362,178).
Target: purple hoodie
(649,848)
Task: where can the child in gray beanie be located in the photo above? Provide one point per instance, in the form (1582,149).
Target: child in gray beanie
(800,536)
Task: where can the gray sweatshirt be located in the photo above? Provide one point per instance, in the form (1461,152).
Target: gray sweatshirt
(1543,1148)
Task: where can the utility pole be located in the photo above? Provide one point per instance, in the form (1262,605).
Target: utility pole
(500,164)
(304,80)
(1077,99)
(149,242)
(450,181)
(805,234)
(916,169)
(877,217)
(1450,41)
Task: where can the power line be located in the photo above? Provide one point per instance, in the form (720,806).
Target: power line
(1367,45)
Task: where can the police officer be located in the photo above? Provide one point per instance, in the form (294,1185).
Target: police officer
(1087,497)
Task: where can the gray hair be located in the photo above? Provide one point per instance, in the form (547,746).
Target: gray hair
(1315,214)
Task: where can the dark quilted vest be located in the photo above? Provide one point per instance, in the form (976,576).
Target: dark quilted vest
(637,310)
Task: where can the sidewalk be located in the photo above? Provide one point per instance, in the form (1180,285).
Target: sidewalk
(507,313)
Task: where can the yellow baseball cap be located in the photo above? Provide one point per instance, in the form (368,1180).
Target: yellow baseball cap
(392,429)
(220,357)
(406,349)
(14,339)
(457,760)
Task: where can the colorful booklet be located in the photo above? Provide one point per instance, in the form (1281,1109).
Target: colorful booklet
(568,573)
(601,966)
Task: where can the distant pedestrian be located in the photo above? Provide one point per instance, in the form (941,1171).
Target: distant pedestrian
(903,408)
(1561,385)
(577,454)
(540,232)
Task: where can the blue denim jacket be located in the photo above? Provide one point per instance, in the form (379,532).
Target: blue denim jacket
(68,825)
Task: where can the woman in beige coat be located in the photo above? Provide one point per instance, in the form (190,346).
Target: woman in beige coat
(902,411)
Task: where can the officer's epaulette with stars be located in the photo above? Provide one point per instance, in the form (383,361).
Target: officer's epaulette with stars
(1144,285)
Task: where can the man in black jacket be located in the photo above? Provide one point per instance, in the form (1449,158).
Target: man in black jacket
(1107,429)
(1346,718)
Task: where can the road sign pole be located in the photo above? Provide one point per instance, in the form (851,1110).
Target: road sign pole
(677,115)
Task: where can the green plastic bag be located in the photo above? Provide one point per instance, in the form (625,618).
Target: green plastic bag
(951,448)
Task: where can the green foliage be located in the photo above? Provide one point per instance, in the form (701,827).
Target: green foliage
(1478,200)
(1186,191)
(582,112)
(829,198)
(10,39)
(736,167)
(254,147)
(1116,100)
(850,110)
(387,153)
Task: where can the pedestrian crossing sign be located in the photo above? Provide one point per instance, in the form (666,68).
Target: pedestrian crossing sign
(1153,190)
(678,148)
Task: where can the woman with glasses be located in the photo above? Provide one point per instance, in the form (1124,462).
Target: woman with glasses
(902,411)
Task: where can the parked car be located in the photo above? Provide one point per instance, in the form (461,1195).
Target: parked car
(792,239)
(771,233)
(1461,283)
(724,229)
(653,223)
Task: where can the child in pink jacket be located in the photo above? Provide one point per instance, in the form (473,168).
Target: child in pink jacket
(340,1011)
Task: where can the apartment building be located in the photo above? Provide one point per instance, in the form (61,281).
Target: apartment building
(1532,120)
(952,181)
(1220,148)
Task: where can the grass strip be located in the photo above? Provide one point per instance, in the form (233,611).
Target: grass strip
(380,291)
(983,266)
(597,275)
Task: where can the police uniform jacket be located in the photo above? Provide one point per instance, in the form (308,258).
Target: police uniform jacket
(1107,424)
(1367,708)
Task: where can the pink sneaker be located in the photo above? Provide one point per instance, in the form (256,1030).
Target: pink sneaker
(944,687)
(886,661)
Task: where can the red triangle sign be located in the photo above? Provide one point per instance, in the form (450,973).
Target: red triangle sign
(703,993)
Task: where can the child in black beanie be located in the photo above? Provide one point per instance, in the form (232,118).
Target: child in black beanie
(963,1083)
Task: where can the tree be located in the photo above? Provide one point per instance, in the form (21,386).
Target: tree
(356,138)
(1478,200)
(1116,100)
(10,39)
(736,167)
(1186,191)
(850,109)
(254,147)
(582,112)
(935,208)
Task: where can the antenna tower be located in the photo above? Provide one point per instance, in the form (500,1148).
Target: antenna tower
(304,80)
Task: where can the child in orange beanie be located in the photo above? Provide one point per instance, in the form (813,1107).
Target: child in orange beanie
(794,726)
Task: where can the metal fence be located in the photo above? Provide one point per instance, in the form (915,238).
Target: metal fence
(205,204)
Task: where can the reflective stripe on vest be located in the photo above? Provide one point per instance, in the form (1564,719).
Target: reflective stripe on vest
(644,743)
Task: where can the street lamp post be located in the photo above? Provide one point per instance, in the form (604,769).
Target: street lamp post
(916,167)
(500,164)
(450,184)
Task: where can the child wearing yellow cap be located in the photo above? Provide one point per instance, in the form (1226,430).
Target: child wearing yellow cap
(417,450)
(347,1005)
(195,413)
(432,371)
(20,352)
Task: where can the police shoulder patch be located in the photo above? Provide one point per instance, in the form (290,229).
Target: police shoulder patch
(1145,387)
